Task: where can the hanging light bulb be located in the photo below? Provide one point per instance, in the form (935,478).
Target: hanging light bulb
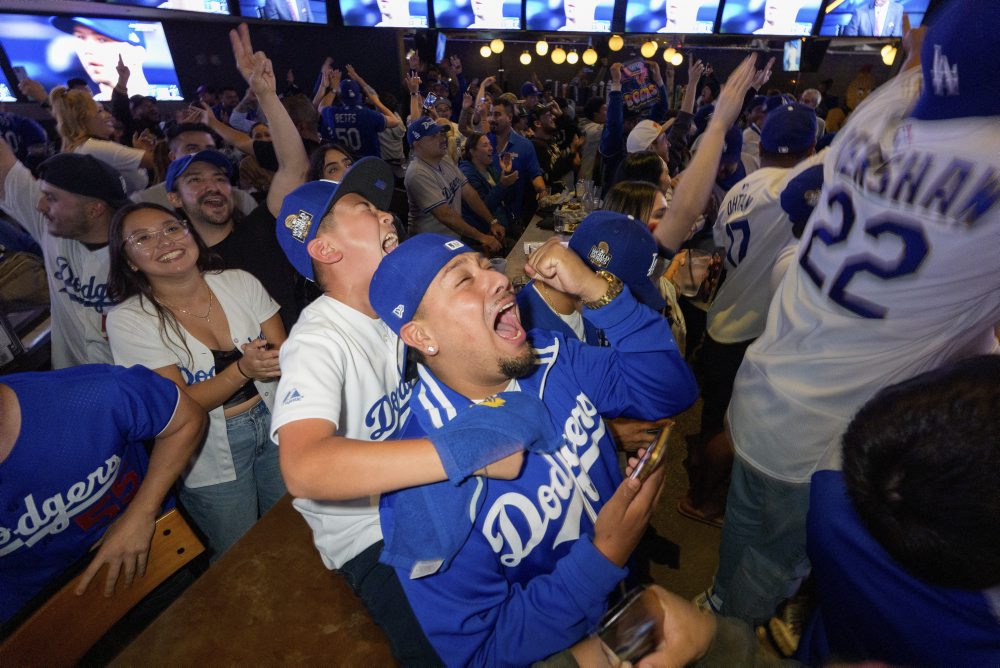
(541,47)
(889,56)
(485,51)
(669,53)
(615,43)
(589,56)
(496,46)
(648,50)
(676,59)
(572,57)
(886,50)
(558,55)
(526,58)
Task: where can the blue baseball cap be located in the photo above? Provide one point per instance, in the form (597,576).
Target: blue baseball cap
(403,276)
(733,146)
(959,76)
(801,195)
(529,89)
(621,245)
(789,129)
(180,165)
(303,209)
(702,117)
(425,126)
(350,93)
(119,30)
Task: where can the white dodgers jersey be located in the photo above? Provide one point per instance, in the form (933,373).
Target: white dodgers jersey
(753,229)
(897,273)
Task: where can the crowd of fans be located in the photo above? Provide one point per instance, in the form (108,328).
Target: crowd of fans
(827,286)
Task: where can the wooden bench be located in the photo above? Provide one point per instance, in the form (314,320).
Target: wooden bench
(268,601)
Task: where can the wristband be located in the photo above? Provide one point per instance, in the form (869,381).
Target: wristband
(240,369)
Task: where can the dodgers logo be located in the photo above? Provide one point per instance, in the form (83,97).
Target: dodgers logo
(389,412)
(89,293)
(945,75)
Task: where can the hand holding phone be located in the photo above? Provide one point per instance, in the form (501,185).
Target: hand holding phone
(633,628)
(654,456)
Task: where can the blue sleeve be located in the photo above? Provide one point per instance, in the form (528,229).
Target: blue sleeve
(614,127)
(147,402)
(531,166)
(473,616)
(643,374)
(662,107)
(374,120)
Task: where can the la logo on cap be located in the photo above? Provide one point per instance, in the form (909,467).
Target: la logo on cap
(945,77)
(600,254)
(299,225)
(398,311)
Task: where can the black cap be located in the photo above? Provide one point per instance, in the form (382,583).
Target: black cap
(85,175)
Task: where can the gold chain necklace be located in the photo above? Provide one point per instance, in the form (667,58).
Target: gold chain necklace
(207,317)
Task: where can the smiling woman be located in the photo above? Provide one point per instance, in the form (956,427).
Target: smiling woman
(215,334)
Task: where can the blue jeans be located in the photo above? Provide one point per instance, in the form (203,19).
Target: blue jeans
(762,557)
(225,511)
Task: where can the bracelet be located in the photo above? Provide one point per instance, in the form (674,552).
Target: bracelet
(240,369)
(614,289)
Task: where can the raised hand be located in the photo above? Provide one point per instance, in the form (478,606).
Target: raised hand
(123,72)
(763,76)
(33,90)
(730,102)
(695,69)
(255,67)
(654,72)
(413,83)
(616,74)
(562,269)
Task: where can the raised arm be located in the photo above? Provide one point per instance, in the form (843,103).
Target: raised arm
(390,118)
(7,162)
(293,163)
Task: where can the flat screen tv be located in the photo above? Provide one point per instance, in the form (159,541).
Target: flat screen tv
(769,17)
(385,13)
(8,93)
(478,14)
(299,11)
(676,17)
(791,60)
(870,18)
(53,49)
(569,15)
(207,6)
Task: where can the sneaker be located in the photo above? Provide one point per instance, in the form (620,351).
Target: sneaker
(786,626)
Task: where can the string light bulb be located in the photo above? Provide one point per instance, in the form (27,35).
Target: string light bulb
(888,57)
(677,59)
(541,47)
(669,53)
(525,58)
(615,43)
(589,56)
(572,57)
(485,51)
(558,55)
(496,46)
(648,50)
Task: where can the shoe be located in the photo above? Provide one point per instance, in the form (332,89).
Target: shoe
(692,513)
(786,626)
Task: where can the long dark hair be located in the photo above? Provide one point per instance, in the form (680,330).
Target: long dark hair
(125,282)
(643,166)
(470,145)
(633,198)
(318,159)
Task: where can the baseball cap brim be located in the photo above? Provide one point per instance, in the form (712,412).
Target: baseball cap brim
(180,165)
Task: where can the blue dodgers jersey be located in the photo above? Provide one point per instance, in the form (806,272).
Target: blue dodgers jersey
(528,582)
(871,608)
(77,462)
(524,161)
(356,128)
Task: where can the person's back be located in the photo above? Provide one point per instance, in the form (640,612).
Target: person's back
(352,124)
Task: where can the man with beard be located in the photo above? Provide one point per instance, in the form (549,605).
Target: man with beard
(530,573)
(557,163)
(199,185)
(524,159)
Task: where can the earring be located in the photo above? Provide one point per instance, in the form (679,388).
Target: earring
(430,349)
(133,267)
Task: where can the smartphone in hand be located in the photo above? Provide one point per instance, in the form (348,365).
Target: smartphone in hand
(654,456)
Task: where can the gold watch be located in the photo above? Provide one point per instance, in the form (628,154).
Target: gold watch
(614,289)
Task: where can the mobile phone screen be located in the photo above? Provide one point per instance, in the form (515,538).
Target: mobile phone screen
(654,456)
(20,73)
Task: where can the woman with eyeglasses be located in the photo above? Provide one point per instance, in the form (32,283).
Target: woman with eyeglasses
(214,333)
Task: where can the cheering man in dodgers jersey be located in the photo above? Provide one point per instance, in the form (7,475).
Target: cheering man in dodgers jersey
(897,273)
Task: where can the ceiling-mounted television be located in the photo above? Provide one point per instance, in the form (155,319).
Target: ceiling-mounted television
(478,14)
(385,13)
(791,60)
(569,15)
(870,18)
(54,49)
(298,11)
(205,6)
(7,91)
(769,17)
(676,17)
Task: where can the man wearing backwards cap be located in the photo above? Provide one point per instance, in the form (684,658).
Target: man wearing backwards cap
(531,573)
(67,211)
(342,391)
(897,273)
(753,229)
(353,124)
(199,184)
(99,44)
(436,188)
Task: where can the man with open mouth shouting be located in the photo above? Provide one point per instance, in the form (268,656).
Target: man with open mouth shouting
(511,571)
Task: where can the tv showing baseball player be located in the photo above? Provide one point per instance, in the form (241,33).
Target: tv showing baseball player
(206,6)
(385,13)
(792,57)
(7,91)
(53,49)
(871,18)
(769,17)
(676,17)
(299,11)
(478,14)
(569,15)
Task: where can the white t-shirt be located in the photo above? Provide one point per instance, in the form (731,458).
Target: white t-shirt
(125,159)
(77,278)
(341,366)
(897,273)
(134,331)
(753,228)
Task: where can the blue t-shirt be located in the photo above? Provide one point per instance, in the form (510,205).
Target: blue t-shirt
(537,314)
(355,127)
(871,608)
(77,462)
(525,163)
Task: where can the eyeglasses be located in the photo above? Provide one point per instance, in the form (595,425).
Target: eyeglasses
(146,239)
